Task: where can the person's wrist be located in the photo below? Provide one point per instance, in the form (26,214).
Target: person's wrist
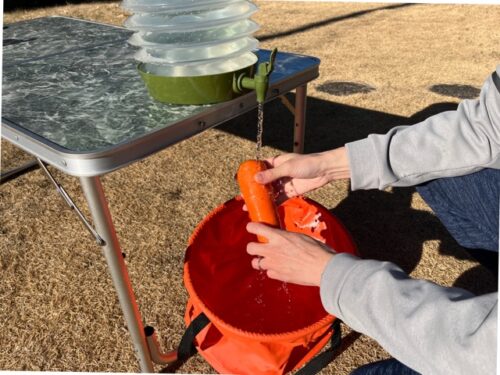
(325,259)
(335,164)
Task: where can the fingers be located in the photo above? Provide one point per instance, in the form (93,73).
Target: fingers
(260,250)
(267,176)
(254,248)
(257,263)
(277,170)
(263,230)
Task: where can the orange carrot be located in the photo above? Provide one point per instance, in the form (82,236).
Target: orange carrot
(257,197)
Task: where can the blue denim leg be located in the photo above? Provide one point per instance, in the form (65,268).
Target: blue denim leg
(385,367)
(467,206)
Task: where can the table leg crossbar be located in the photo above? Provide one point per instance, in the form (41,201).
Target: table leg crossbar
(71,204)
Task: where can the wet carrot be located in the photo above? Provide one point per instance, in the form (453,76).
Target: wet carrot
(257,197)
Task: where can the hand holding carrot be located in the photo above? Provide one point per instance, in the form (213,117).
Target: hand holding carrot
(287,256)
(296,174)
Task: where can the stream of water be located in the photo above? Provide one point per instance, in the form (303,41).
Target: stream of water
(260,130)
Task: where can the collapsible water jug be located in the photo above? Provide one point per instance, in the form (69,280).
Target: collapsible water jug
(190,50)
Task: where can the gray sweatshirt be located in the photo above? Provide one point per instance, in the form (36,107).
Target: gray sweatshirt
(430,328)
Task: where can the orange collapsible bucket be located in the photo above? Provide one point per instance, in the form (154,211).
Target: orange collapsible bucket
(238,319)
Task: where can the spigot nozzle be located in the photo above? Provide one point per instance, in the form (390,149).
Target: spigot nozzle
(260,81)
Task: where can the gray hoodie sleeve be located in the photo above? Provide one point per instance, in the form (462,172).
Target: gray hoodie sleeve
(432,329)
(451,143)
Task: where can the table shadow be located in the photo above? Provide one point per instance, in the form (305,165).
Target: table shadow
(14,5)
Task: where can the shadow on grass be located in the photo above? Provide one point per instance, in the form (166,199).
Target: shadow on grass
(383,223)
(329,21)
(12,5)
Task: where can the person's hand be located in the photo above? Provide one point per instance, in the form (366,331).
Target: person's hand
(287,256)
(296,174)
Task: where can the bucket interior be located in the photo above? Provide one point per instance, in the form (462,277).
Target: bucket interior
(222,277)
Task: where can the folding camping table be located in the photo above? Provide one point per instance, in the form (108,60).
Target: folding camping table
(73,99)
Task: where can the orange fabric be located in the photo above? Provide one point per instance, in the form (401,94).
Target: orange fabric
(258,325)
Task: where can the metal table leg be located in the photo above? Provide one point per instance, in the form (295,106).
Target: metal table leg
(300,119)
(101,215)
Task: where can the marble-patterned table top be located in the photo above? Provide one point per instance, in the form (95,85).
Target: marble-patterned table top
(41,37)
(74,83)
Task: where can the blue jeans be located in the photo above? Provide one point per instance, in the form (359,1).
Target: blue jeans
(385,367)
(468,206)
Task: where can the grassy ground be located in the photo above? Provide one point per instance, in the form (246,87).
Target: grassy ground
(55,311)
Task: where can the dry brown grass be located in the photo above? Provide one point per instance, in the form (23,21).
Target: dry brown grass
(57,307)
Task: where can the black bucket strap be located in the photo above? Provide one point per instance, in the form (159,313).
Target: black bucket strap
(322,360)
(496,80)
(186,347)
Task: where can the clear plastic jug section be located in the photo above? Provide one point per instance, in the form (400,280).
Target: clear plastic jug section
(197,35)
(181,19)
(202,68)
(138,6)
(206,52)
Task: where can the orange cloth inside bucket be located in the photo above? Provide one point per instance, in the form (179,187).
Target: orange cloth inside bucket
(218,271)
